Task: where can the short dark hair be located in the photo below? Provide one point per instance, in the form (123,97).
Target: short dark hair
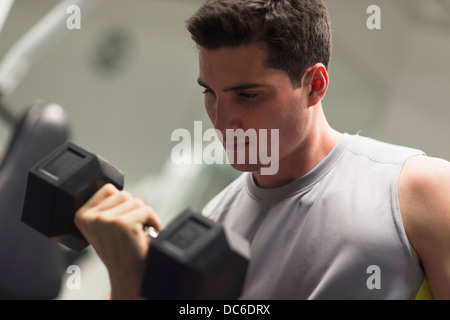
(297,33)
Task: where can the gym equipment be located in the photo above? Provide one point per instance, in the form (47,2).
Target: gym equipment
(59,185)
(37,41)
(30,265)
(194,258)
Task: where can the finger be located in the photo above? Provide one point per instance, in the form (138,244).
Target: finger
(114,200)
(120,204)
(103,193)
(88,212)
(146,217)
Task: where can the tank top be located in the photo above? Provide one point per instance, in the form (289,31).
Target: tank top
(334,233)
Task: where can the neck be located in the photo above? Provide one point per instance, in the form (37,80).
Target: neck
(313,148)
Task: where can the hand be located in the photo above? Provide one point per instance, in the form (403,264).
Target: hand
(113,222)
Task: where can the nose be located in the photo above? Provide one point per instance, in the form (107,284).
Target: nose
(225,116)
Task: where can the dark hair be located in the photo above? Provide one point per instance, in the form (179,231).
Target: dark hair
(297,33)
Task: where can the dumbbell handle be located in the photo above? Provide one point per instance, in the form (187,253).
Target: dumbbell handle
(151,232)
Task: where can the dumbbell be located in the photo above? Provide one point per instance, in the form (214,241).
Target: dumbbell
(59,185)
(193,258)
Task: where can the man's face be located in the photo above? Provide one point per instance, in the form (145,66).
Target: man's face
(241,92)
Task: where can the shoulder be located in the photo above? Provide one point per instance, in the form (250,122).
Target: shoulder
(424,188)
(380,151)
(424,200)
(425,180)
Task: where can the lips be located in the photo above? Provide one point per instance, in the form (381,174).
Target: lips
(237,146)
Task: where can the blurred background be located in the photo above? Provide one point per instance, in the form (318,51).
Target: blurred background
(127,79)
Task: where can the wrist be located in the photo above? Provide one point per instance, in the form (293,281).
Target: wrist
(125,288)
(125,293)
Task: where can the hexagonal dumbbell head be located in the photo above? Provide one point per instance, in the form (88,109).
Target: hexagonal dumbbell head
(195,258)
(59,185)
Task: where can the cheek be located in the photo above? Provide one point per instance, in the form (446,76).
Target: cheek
(289,132)
(210,109)
(291,123)
(288,115)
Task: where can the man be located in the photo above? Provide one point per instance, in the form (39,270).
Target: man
(340,208)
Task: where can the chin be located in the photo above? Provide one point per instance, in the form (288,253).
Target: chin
(246,167)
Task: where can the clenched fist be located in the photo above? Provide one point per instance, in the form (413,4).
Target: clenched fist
(113,222)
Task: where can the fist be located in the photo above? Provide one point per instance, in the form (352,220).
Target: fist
(113,222)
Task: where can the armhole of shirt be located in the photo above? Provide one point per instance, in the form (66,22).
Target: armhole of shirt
(424,292)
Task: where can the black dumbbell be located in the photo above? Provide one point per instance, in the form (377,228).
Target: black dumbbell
(59,185)
(193,258)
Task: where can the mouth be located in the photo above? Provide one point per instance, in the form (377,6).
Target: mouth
(237,146)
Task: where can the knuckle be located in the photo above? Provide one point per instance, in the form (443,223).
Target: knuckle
(109,189)
(124,196)
(104,218)
(139,202)
(147,209)
(151,214)
(109,219)
(83,217)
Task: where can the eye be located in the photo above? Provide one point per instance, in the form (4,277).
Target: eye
(208,91)
(248,95)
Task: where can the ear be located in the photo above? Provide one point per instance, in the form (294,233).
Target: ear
(316,82)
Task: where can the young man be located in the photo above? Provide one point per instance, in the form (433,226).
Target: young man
(344,217)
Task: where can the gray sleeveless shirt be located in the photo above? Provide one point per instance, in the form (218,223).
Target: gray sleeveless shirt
(335,233)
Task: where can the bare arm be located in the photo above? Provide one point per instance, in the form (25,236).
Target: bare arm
(424,196)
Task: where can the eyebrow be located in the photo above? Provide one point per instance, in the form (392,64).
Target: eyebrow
(237,87)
